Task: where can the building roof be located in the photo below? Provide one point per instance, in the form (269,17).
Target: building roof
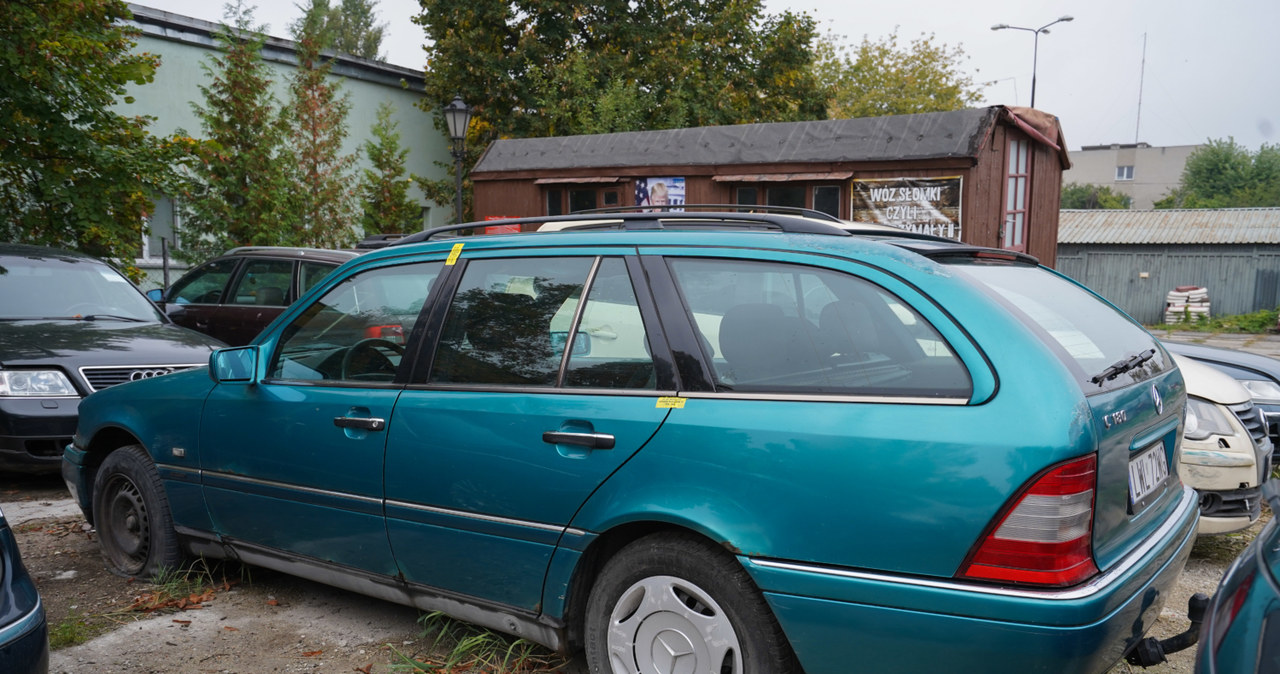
(1170,226)
(933,135)
(178,28)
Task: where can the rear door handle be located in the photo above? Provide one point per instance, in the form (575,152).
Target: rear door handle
(588,440)
(364,423)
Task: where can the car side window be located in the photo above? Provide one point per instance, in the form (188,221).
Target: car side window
(356,331)
(264,283)
(609,348)
(204,285)
(312,273)
(777,327)
(502,324)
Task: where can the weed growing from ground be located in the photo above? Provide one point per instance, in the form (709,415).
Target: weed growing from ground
(458,646)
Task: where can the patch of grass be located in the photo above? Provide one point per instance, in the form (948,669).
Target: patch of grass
(455,646)
(69,631)
(183,588)
(1256,323)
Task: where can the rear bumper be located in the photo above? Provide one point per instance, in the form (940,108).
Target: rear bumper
(896,623)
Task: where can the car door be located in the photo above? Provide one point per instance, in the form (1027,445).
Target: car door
(259,293)
(530,399)
(294,463)
(194,301)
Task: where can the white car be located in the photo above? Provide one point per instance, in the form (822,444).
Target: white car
(1226,453)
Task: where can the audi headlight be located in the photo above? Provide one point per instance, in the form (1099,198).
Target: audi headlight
(1204,419)
(1262,391)
(35,384)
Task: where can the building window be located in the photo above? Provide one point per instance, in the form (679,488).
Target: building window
(581,200)
(747,196)
(160,233)
(1124,173)
(1013,235)
(785,195)
(561,201)
(826,198)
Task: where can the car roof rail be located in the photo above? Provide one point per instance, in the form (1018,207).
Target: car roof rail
(292,249)
(719,208)
(653,220)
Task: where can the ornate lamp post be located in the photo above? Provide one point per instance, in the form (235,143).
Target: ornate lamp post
(1035,51)
(457,115)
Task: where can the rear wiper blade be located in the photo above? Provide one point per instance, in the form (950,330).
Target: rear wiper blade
(1122,366)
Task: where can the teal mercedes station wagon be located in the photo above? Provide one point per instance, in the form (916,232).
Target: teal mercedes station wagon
(708,442)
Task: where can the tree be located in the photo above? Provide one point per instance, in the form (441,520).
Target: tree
(384,189)
(350,27)
(544,67)
(882,78)
(244,191)
(317,117)
(73,172)
(1224,174)
(535,68)
(1092,197)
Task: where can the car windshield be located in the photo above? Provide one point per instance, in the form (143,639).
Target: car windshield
(1105,348)
(71,288)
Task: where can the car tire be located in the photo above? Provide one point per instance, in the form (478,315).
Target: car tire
(131,513)
(667,597)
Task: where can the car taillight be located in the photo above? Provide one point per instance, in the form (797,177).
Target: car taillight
(391,333)
(1045,538)
(1229,609)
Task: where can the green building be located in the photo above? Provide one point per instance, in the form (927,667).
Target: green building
(185,44)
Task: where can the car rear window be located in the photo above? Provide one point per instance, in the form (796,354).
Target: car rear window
(1088,334)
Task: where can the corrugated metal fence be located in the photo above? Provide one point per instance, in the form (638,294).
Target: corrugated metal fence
(1240,278)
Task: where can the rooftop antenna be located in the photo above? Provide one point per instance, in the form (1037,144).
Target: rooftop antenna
(1142,73)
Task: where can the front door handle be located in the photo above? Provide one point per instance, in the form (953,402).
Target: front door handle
(364,423)
(588,440)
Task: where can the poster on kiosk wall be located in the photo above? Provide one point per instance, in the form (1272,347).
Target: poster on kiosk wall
(660,192)
(924,205)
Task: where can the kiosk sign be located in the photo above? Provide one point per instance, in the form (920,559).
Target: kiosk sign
(924,205)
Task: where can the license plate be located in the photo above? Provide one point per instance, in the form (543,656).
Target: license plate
(1147,471)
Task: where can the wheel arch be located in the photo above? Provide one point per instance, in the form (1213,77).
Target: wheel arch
(601,550)
(105,441)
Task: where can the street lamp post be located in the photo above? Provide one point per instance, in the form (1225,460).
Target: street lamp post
(457,116)
(1035,51)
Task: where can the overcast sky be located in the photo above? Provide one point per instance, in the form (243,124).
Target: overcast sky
(1210,67)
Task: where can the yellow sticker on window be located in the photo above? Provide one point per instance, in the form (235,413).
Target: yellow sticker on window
(453,254)
(671,403)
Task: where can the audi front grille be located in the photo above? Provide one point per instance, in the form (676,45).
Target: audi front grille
(99,378)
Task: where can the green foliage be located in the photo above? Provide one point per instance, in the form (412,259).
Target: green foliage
(1089,196)
(73,172)
(316,116)
(456,647)
(1224,174)
(1256,323)
(882,78)
(244,193)
(350,27)
(384,189)
(553,67)
(70,631)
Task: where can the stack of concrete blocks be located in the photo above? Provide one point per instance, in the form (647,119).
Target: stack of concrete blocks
(1186,303)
